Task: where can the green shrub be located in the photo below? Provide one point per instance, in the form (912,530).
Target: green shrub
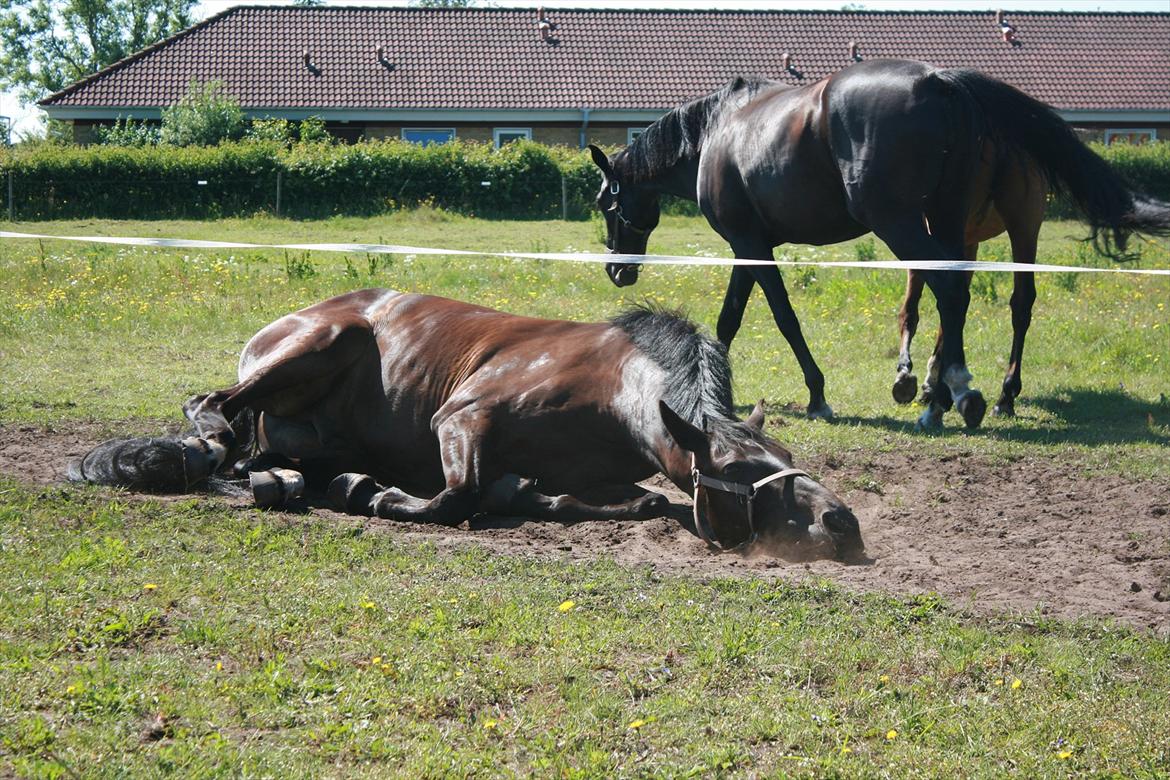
(205,116)
(1146,167)
(127,132)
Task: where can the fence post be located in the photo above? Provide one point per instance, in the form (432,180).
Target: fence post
(11,204)
(279,177)
(564,199)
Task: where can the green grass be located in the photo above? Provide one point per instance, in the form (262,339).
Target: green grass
(254,651)
(141,637)
(128,333)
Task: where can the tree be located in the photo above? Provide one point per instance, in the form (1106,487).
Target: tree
(46,45)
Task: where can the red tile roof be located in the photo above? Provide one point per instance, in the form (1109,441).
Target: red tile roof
(495,58)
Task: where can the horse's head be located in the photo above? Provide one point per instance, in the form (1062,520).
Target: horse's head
(747,488)
(631,214)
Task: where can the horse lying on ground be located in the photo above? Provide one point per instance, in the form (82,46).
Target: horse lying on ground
(483,411)
(932,161)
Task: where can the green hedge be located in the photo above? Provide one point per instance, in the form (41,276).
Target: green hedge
(1145,167)
(522,180)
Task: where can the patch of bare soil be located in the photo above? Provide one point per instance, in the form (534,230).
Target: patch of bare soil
(992,537)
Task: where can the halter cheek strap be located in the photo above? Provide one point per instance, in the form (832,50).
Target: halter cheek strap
(740,489)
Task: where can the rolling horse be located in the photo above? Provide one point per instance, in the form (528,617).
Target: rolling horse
(418,408)
(932,161)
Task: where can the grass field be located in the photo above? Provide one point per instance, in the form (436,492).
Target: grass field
(150,637)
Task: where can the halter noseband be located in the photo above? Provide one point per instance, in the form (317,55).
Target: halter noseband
(615,188)
(739,489)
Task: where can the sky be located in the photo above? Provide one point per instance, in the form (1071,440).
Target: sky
(27,118)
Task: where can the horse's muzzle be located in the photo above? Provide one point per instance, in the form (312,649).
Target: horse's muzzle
(623,274)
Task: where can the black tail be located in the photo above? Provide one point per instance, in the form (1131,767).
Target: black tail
(150,464)
(154,464)
(1021,124)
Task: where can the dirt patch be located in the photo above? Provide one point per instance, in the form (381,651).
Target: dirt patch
(991,536)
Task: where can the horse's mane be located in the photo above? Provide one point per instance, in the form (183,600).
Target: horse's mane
(698,373)
(679,134)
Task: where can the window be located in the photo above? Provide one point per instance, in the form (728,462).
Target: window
(506,135)
(428,135)
(1131,135)
(632,133)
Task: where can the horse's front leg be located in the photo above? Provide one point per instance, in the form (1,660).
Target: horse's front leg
(905,383)
(461,431)
(739,290)
(770,281)
(515,496)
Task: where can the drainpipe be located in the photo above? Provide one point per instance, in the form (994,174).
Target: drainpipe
(585,112)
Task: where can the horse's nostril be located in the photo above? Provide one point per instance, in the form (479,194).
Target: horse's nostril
(624,277)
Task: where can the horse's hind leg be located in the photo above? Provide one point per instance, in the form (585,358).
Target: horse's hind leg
(932,365)
(905,383)
(910,240)
(1022,219)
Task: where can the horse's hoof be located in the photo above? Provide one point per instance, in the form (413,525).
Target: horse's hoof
(821,412)
(927,397)
(929,420)
(353,493)
(1006,407)
(972,407)
(904,388)
(276,487)
(652,505)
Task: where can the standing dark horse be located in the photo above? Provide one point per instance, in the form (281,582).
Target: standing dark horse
(932,161)
(485,411)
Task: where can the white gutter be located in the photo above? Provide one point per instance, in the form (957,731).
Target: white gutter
(573,115)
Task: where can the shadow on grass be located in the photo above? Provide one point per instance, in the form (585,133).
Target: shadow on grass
(1083,417)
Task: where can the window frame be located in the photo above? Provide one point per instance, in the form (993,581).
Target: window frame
(450,130)
(523,133)
(1113,133)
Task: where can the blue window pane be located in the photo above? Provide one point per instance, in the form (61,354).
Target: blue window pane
(426,137)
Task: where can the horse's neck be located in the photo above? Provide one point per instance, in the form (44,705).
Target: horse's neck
(666,157)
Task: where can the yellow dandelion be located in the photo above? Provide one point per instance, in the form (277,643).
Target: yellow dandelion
(369,605)
(636,724)
(219,666)
(1064,755)
(376,660)
(999,681)
(490,723)
(566,605)
(149,586)
(885,678)
(72,689)
(1016,683)
(891,735)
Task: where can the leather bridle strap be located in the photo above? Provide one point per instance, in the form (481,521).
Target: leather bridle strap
(740,489)
(620,219)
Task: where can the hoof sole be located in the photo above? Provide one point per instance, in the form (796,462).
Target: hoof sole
(905,386)
(973,408)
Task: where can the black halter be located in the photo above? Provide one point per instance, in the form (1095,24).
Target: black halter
(620,221)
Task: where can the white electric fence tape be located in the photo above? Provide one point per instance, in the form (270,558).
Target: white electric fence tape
(590,257)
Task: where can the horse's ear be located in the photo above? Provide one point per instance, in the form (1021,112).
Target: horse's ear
(688,436)
(756,418)
(600,160)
